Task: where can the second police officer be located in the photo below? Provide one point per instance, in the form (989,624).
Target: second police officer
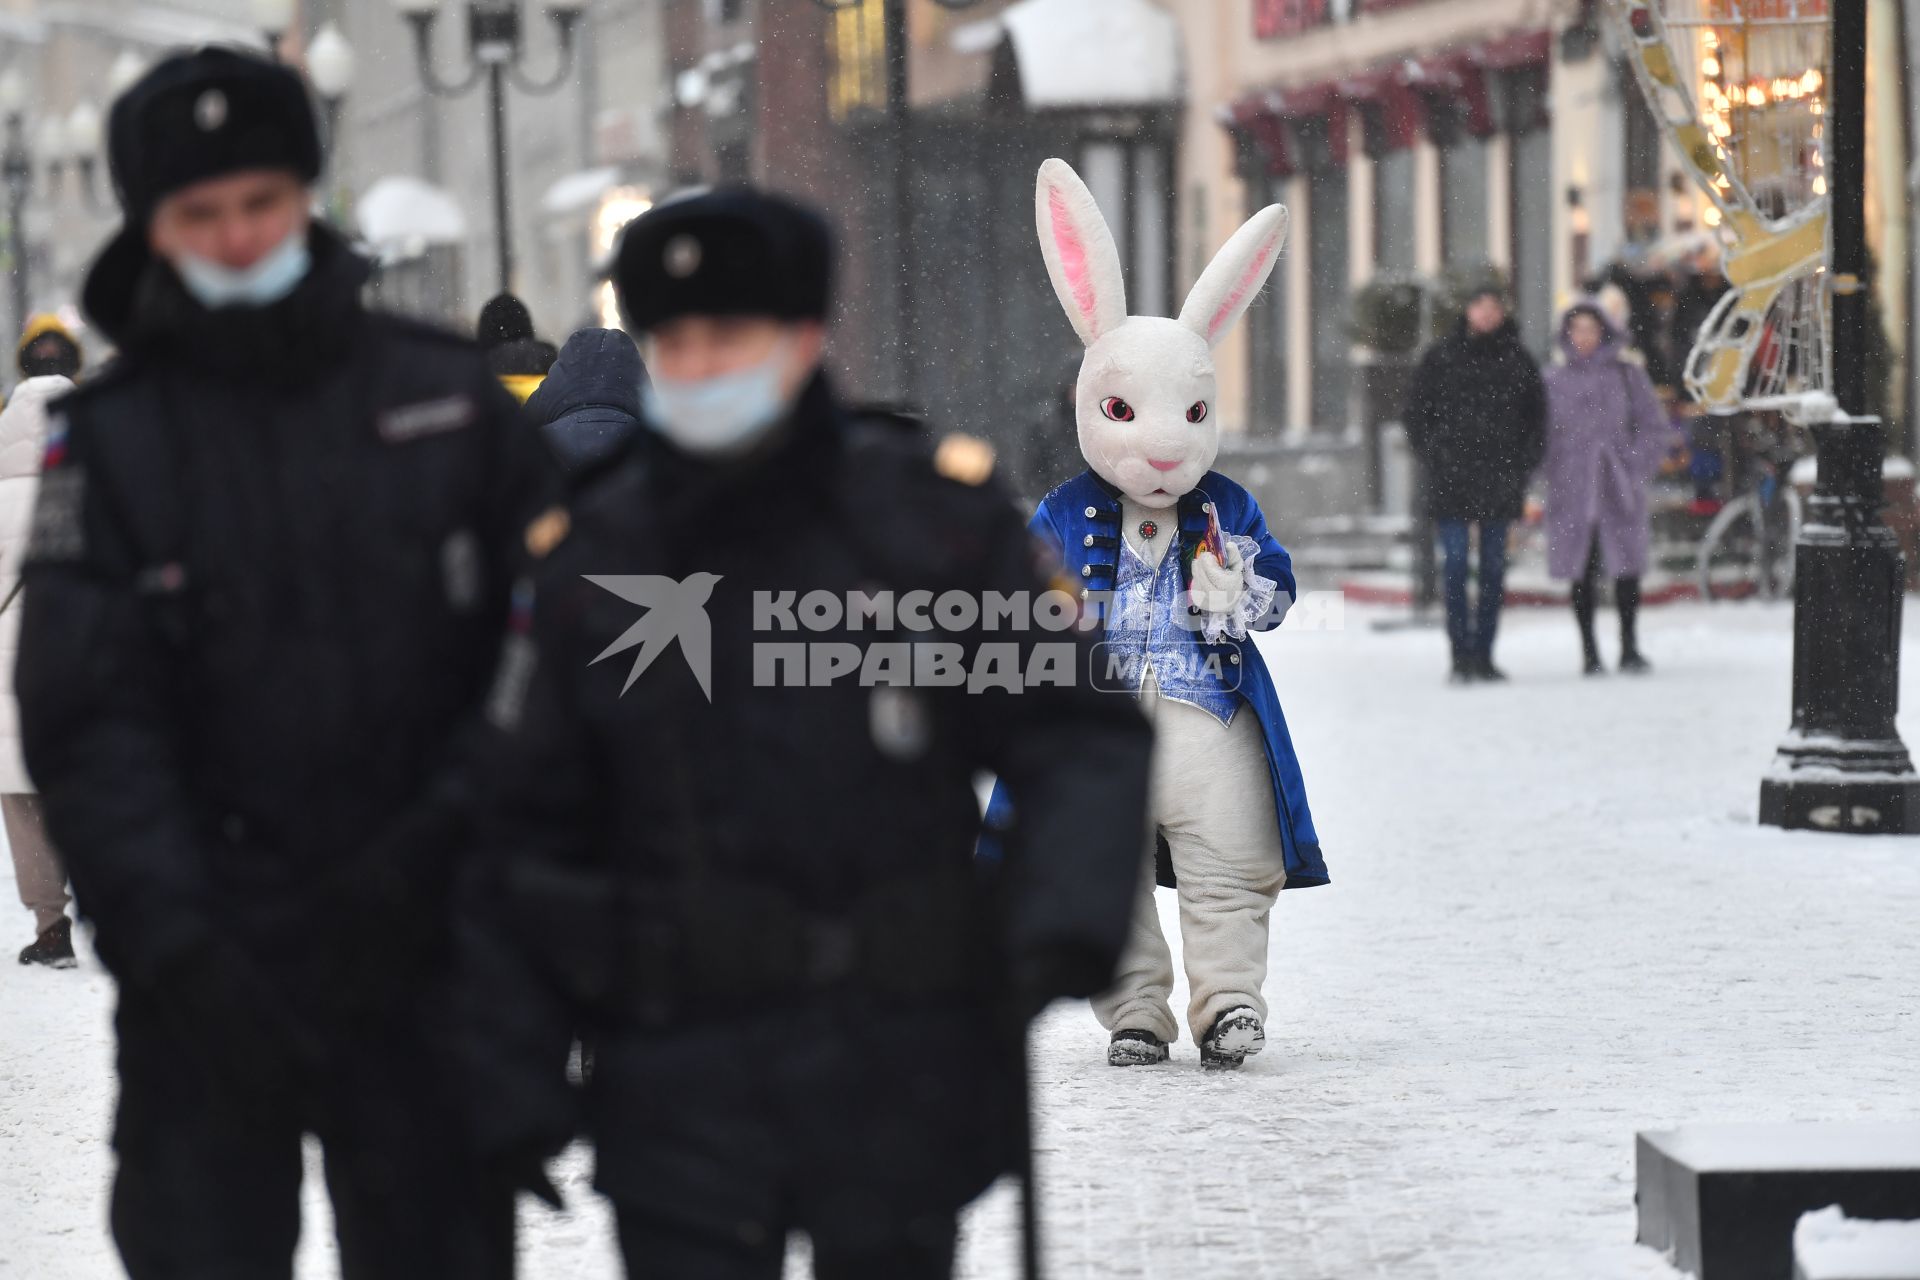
(753,884)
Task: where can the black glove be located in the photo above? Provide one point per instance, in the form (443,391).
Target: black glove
(524,1168)
(1059,971)
(225,1011)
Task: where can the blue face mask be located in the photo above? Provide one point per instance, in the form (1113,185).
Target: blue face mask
(264,283)
(720,415)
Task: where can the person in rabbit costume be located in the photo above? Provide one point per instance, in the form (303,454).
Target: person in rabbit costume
(1226,795)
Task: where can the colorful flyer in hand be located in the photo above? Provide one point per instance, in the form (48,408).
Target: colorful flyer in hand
(1215,541)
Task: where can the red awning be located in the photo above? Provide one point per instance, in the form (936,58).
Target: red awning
(1395,89)
(1456,72)
(1384,89)
(1266,132)
(1510,52)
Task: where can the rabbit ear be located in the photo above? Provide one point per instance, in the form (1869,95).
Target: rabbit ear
(1235,275)
(1080,254)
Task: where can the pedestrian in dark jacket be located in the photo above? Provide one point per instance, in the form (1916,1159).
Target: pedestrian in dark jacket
(1606,437)
(1699,292)
(270,561)
(1475,419)
(590,400)
(516,356)
(754,882)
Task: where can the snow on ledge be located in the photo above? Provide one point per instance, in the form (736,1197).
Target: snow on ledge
(404,213)
(580,190)
(1091,53)
(1773,1148)
(1828,1245)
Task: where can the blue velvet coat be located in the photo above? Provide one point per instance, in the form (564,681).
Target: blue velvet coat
(1081,521)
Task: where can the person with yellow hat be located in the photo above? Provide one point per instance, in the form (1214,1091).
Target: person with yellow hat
(48,348)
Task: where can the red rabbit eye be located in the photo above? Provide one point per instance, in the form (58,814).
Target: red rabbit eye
(1117,409)
(1197,412)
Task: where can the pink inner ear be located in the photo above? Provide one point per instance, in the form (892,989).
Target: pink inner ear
(1241,288)
(1073,255)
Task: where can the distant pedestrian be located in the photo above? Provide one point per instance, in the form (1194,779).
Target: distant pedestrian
(1606,437)
(590,401)
(1701,287)
(49,349)
(1476,419)
(36,869)
(516,357)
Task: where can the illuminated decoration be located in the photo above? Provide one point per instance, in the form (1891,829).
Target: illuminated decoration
(857,39)
(1737,85)
(617,208)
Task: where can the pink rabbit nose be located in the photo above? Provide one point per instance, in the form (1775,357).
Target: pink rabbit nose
(1158,465)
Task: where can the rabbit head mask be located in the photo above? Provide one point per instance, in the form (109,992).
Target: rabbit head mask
(1145,396)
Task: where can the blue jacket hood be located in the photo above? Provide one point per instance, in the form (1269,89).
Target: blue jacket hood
(590,401)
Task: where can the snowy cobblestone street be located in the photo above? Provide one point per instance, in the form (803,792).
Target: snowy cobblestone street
(1553,922)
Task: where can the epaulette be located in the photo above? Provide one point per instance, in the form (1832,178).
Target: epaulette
(547,531)
(963,458)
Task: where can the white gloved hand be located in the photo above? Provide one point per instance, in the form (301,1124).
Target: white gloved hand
(1218,588)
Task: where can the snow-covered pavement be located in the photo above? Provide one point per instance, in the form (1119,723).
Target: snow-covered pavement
(1553,922)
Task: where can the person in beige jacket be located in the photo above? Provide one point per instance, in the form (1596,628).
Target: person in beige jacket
(42,880)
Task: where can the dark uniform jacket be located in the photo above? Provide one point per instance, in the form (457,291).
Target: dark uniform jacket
(799,992)
(1477,418)
(266,583)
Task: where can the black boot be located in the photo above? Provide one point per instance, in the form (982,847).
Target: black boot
(1131,1047)
(54,948)
(1583,615)
(1626,596)
(1464,671)
(1236,1036)
(1483,669)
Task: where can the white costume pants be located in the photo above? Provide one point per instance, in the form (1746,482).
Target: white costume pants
(1212,797)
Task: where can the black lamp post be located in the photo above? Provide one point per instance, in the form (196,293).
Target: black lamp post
(900,122)
(330,68)
(1843,766)
(495,49)
(16,168)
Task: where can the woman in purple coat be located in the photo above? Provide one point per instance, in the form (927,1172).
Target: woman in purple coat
(1606,435)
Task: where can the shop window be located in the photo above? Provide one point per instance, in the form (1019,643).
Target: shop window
(1328,283)
(857,48)
(1642,160)
(1521,109)
(1131,182)
(1393,211)
(1267,327)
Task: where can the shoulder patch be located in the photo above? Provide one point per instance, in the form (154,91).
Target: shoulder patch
(964,458)
(426,418)
(58,532)
(54,451)
(547,531)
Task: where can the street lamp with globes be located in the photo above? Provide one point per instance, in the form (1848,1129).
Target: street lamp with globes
(330,65)
(86,138)
(126,69)
(273,18)
(16,169)
(495,52)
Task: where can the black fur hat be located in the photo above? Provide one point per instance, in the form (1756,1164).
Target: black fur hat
(203,114)
(728,252)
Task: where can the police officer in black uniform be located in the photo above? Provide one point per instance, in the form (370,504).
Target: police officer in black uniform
(267,578)
(752,880)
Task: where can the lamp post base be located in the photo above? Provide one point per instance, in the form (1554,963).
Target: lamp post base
(1884,805)
(1842,766)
